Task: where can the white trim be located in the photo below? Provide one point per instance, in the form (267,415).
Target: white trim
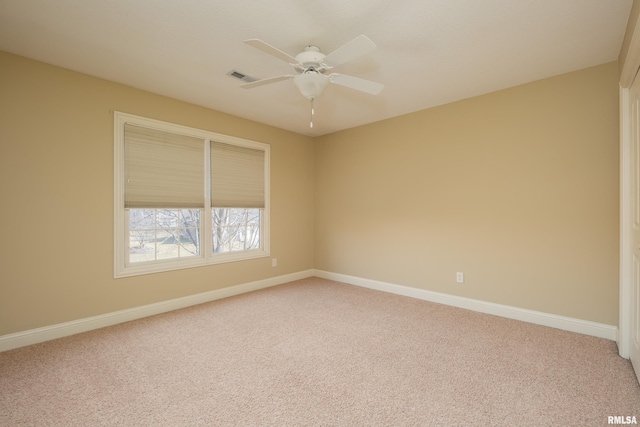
(559,322)
(121,268)
(626,253)
(632,61)
(34,336)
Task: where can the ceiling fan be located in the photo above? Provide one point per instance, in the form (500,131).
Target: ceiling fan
(311,67)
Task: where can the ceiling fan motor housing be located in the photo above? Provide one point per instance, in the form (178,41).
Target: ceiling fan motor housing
(311,58)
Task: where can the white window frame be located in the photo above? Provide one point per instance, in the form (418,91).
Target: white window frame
(121,233)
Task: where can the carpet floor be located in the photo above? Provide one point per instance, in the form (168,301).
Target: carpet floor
(318,352)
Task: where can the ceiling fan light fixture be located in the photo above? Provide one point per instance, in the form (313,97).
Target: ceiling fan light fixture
(311,65)
(311,84)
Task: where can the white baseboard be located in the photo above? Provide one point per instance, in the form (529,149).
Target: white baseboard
(540,318)
(34,336)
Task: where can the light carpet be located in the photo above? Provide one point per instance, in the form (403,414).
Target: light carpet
(318,352)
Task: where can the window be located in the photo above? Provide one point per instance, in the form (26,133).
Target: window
(186,197)
(156,234)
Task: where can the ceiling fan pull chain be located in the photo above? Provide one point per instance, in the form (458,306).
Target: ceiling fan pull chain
(312,113)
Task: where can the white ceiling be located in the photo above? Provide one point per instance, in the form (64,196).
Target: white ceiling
(430,52)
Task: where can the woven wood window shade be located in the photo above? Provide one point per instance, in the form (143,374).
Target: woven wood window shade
(163,169)
(237,176)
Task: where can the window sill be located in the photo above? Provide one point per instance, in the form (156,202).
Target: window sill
(179,264)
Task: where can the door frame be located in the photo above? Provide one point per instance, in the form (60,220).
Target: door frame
(629,63)
(626,252)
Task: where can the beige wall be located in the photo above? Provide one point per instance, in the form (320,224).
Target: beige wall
(518,189)
(56,187)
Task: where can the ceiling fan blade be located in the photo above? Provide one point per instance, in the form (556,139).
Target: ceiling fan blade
(356,83)
(267,48)
(356,47)
(265,81)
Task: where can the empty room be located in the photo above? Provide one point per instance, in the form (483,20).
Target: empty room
(415,213)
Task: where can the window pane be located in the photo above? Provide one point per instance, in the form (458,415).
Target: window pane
(253,236)
(189,242)
(235,229)
(166,245)
(189,218)
(142,246)
(234,244)
(163,234)
(219,239)
(167,218)
(141,219)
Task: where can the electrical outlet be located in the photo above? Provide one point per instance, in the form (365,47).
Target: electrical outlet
(460,277)
(274,262)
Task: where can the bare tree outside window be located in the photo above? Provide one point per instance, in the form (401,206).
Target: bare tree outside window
(156,234)
(163,234)
(235,229)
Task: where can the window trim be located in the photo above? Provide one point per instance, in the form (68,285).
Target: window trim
(121,267)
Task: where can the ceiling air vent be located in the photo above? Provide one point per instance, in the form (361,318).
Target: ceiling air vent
(239,75)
